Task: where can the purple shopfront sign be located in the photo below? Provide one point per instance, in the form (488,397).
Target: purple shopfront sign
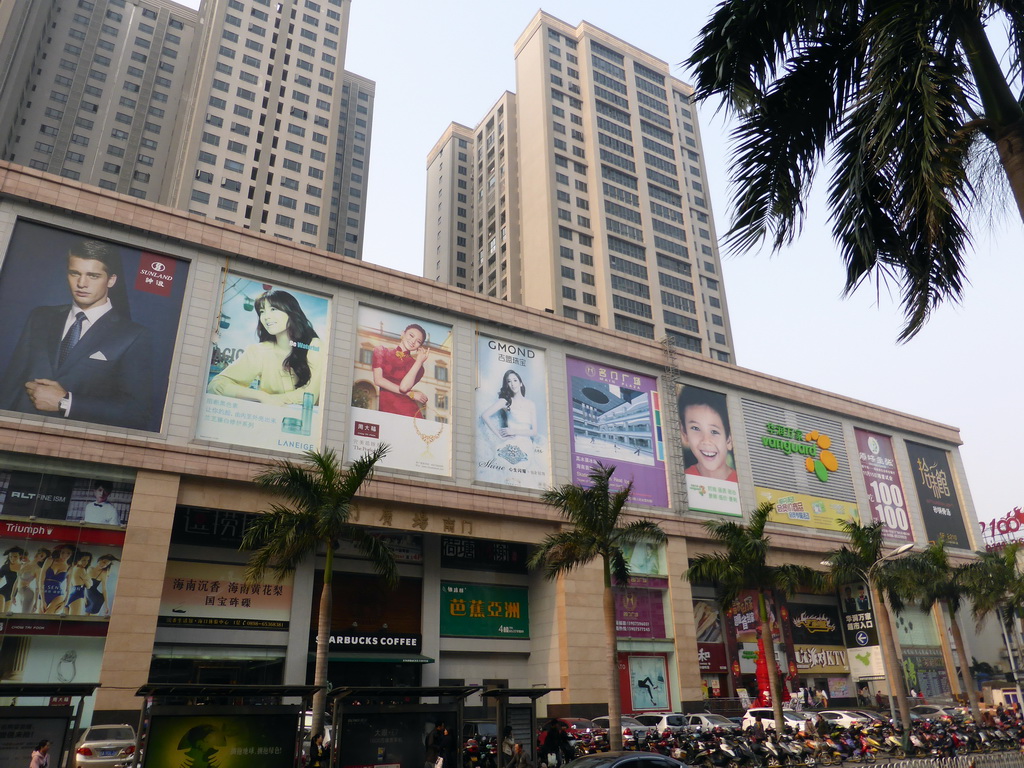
(616,420)
(885,491)
(640,608)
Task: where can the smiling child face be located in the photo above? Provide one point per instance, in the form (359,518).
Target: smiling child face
(706,438)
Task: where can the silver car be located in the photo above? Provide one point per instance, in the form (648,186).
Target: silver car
(105,746)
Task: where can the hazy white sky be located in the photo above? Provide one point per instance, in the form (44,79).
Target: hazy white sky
(449,60)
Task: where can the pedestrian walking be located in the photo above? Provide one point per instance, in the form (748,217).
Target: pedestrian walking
(41,755)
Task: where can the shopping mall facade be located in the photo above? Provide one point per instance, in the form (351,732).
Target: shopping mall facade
(122,510)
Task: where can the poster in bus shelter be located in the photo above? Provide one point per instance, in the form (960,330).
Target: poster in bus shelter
(221,737)
(885,491)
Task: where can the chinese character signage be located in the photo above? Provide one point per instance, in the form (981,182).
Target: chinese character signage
(616,420)
(936,491)
(484,610)
(268,366)
(199,594)
(210,527)
(710,466)
(799,464)
(858,616)
(512,414)
(885,491)
(483,554)
(820,659)
(89,328)
(402,391)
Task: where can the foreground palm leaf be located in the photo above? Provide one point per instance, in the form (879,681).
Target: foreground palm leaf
(899,96)
(318,495)
(597,532)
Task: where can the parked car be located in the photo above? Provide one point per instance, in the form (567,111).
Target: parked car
(705,721)
(768,718)
(673,722)
(626,759)
(874,718)
(105,746)
(841,718)
(933,712)
(633,731)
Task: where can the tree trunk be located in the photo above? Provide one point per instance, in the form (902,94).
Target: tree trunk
(323,635)
(775,685)
(893,667)
(1010,143)
(965,665)
(614,695)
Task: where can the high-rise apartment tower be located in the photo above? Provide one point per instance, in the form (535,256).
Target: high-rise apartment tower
(240,111)
(583,194)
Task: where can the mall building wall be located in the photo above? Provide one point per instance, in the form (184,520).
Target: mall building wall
(461,500)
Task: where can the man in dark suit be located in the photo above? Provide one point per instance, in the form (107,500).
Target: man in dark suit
(87,360)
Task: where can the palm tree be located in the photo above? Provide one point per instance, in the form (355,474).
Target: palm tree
(901,98)
(997,586)
(864,560)
(598,532)
(319,494)
(928,578)
(742,565)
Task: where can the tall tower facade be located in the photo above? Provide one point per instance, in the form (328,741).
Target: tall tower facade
(263,117)
(239,111)
(612,224)
(99,99)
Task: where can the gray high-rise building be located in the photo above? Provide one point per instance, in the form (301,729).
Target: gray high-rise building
(237,111)
(583,194)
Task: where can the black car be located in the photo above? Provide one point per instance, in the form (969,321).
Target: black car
(626,759)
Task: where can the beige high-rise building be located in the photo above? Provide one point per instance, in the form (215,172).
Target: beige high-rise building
(239,112)
(583,194)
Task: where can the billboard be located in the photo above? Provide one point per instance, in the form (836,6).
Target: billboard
(882,482)
(512,445)
(815,624)
(616,420)
(799,464)
(402,391)
(936,492)
(268,364)
(91,328)
(66,573)
(484,610)
(640,607)
(643,679)
(709,464)
(59,497)
(203,594)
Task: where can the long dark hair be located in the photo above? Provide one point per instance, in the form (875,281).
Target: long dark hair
(300,331)
(506,392)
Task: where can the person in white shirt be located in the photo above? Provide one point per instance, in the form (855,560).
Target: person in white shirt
(41,755)
(101,511)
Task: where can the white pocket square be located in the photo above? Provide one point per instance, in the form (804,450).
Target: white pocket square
(98,356)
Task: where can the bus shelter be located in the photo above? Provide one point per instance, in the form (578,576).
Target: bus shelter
(205,726)
(23,726)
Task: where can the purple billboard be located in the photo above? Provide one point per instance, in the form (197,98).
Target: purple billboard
(885,491)
(616,420)
(640,607)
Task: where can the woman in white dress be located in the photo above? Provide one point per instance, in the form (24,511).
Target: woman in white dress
(512,420)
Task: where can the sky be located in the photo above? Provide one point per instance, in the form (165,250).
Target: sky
(449,61)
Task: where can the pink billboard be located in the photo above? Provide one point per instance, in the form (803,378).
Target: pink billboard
(885,491)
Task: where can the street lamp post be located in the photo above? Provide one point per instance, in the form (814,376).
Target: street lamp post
(893,669)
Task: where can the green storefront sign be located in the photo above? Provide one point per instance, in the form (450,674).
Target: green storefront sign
(484,610)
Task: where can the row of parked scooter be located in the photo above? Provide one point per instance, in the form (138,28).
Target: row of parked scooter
(719,748)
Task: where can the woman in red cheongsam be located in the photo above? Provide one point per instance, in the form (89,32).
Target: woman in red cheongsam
(396,370)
